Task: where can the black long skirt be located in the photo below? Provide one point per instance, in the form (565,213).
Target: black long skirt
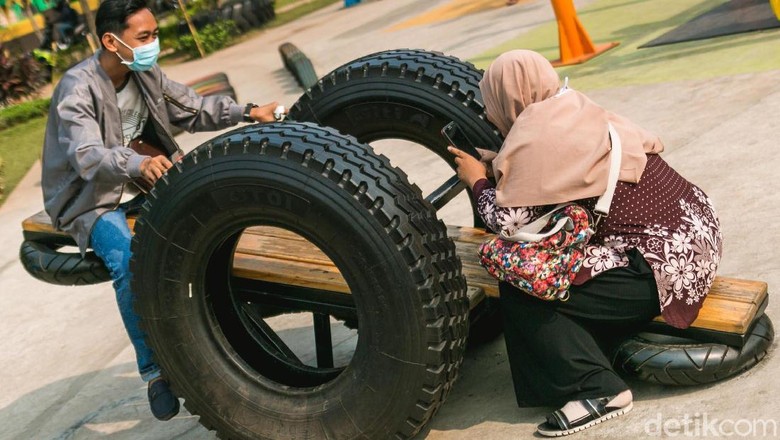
(558,351)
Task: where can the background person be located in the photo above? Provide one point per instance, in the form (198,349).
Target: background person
(656,252)
(64,24)
(61,21)
(98,107)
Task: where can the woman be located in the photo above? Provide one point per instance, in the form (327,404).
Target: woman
(655,253)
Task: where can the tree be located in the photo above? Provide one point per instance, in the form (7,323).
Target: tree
(30,16)
(90,19)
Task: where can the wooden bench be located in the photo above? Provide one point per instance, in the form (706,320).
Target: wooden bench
(279,256)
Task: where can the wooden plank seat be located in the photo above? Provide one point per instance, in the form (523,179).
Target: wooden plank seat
(39,226)
(279,256)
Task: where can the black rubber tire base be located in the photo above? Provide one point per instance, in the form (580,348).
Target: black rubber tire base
(674,361)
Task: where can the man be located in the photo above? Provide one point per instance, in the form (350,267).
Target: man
(98,108)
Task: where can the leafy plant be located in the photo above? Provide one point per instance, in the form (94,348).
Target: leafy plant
(213,37)
(67,58)
(20,76)
(168,32)
(61,60)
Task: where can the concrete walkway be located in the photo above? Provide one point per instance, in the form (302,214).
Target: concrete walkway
(67,369)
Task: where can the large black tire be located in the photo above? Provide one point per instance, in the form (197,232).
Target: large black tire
(239,16)
(255,15)
(267,8)
(248,11)
(408,294)
(670,360)
(402,94)
(45,262)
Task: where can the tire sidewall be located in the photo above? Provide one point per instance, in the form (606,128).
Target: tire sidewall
(285,194)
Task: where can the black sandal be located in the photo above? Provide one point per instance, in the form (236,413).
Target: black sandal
(558,424)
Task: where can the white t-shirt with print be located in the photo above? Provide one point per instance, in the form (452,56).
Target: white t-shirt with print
(133,114)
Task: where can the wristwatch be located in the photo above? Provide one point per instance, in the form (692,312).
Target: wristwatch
(248,110)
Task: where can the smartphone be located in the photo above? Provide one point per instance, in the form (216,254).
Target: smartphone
(457,137)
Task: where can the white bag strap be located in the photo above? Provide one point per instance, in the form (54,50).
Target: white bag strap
(616,155)
(531,231)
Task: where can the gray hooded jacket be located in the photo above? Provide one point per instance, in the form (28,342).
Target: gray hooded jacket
(85,164)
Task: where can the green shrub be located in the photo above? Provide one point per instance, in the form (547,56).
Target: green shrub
(168,33)
(23,112)
(213,37)
(57,62)
(74,54)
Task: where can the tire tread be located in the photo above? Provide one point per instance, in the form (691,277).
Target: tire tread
(420,238)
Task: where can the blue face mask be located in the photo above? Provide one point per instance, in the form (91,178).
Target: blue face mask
(144,57)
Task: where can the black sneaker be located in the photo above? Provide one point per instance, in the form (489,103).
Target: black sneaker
(163,403)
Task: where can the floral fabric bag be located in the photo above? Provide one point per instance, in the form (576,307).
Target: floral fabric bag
(543,257)
(542,264)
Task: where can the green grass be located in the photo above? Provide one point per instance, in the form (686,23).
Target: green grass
(2,181)
(20,147)
(282,3)
(633,23)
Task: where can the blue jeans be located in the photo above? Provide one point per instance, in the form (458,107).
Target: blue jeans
(110,239)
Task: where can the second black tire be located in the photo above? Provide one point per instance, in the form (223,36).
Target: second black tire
(402,94)
(405,279)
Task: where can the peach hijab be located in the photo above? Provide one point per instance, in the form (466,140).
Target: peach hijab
(556,146)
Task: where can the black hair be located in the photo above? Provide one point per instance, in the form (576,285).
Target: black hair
(112,15)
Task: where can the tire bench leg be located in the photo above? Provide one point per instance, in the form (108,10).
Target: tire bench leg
(322,340)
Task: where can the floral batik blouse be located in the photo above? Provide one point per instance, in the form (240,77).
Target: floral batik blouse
(669,220)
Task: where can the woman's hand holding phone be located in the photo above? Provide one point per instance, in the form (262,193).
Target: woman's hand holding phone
(470,170)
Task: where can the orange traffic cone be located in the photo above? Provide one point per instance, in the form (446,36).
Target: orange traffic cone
(573,39)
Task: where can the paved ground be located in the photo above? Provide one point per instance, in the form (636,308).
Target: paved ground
(67,368)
